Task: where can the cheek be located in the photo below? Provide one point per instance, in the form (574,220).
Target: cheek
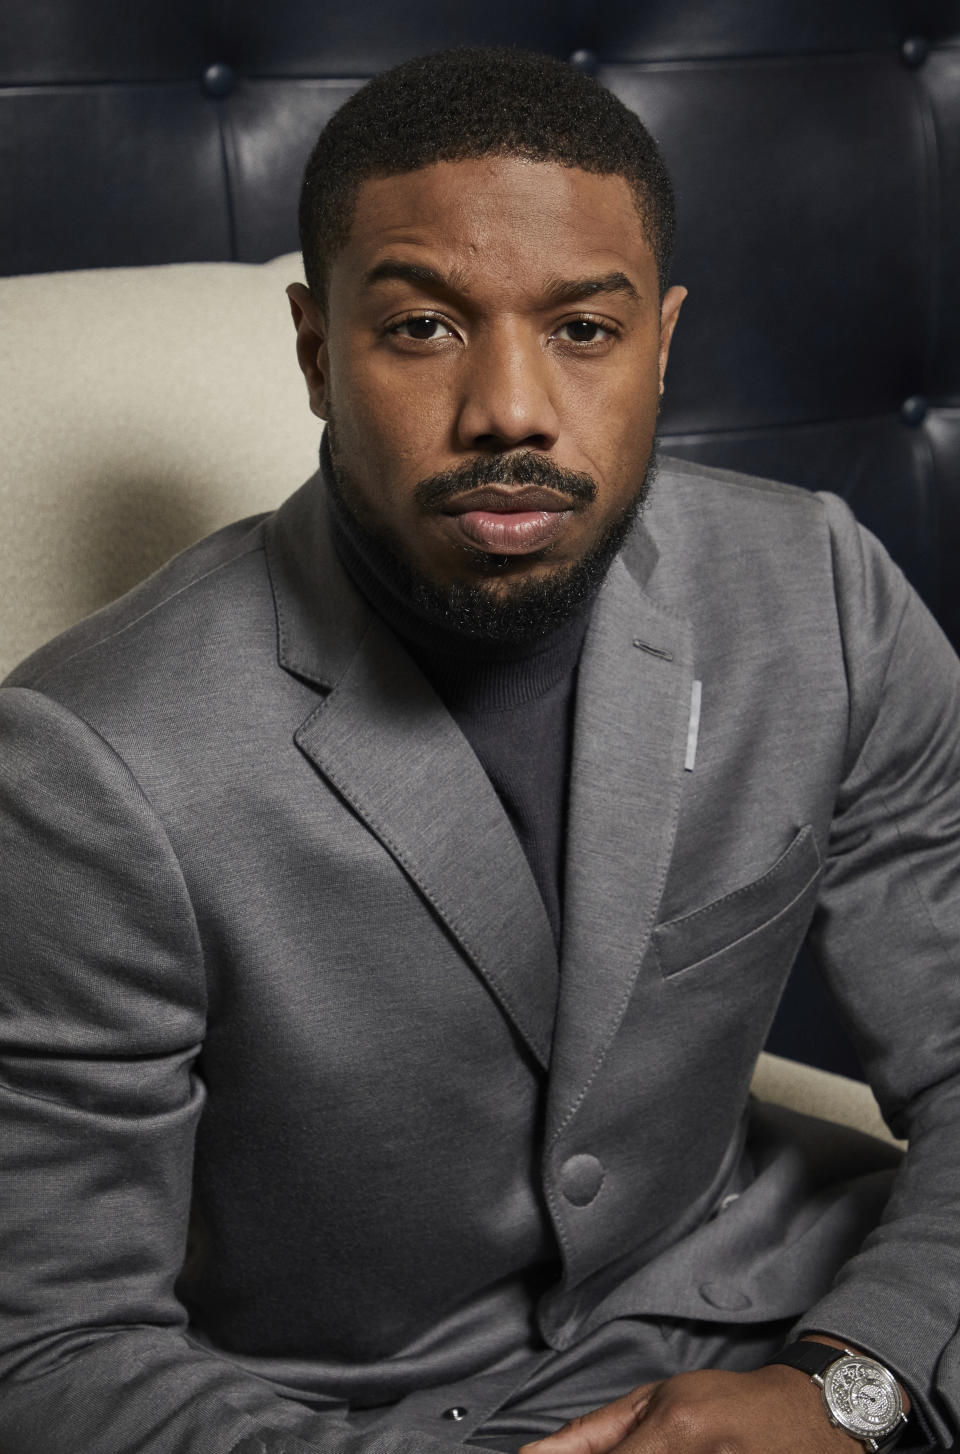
(614,430)
(399,414)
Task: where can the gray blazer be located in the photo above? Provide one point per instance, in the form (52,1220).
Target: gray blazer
(275,968)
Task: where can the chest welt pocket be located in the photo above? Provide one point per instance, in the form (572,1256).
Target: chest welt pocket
(773,910)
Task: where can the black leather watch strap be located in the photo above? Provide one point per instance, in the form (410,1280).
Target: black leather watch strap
(811,1358)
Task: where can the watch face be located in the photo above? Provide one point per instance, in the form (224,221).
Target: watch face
(862,1396)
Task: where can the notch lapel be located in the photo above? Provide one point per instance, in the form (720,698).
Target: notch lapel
(384,740)
(633,712)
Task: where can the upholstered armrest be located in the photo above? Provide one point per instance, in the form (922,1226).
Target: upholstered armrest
(820,1093)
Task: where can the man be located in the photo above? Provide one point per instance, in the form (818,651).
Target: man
(398,889)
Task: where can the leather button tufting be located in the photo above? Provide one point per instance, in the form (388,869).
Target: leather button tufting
(219,79)
(914,410)
(585,60)
(581,1177)
(456,1413)
(914,51)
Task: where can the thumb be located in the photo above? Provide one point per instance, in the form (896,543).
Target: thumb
(597,1432)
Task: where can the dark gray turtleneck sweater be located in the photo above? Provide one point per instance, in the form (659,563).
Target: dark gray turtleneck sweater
(513,703)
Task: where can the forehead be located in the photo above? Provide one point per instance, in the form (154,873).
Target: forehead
(500,217)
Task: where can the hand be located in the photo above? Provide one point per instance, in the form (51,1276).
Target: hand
(773,1410)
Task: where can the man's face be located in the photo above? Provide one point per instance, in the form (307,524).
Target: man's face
(490,362)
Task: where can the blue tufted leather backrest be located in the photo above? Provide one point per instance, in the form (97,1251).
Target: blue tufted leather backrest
(815,146)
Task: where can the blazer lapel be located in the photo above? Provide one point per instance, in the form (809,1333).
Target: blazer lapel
(388,746)
(632,718)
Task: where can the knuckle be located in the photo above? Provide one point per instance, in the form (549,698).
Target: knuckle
(683,1423)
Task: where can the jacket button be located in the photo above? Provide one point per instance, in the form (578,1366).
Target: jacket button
(581,1177)
(456,1413)
(721,1295)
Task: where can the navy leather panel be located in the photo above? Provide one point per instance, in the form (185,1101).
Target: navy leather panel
(129,175)
(665,30)
(942,83)
(59,40)
(348,39)
(270,128)
(768,158)
(99,40)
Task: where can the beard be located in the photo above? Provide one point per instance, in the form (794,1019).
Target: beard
(522,612)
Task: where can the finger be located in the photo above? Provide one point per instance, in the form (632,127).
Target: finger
(599,1431)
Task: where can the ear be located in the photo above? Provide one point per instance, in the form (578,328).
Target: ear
(669,313)
(311,346)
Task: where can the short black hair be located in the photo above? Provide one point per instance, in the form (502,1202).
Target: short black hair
(476,101)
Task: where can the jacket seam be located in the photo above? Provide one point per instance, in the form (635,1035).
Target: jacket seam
(51,671)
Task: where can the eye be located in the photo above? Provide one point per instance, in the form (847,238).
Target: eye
(423,327)
(584,331)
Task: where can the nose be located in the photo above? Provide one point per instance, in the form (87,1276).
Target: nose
(507,396)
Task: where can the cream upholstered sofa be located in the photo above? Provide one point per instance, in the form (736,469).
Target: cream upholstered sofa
(141,408)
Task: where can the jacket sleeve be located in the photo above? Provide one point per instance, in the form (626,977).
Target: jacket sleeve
(101,1018)
(887,936)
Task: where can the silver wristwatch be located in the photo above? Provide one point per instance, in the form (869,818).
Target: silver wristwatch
(859,1394)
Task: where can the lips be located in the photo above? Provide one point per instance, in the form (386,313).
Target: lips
(509,521)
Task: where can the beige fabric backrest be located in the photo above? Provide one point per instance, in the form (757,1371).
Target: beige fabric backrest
(140,408)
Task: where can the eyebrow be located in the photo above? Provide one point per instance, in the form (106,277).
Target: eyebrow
(393,270)
(572,290)
(557,293)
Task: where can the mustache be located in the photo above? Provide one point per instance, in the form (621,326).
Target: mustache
(525,468)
